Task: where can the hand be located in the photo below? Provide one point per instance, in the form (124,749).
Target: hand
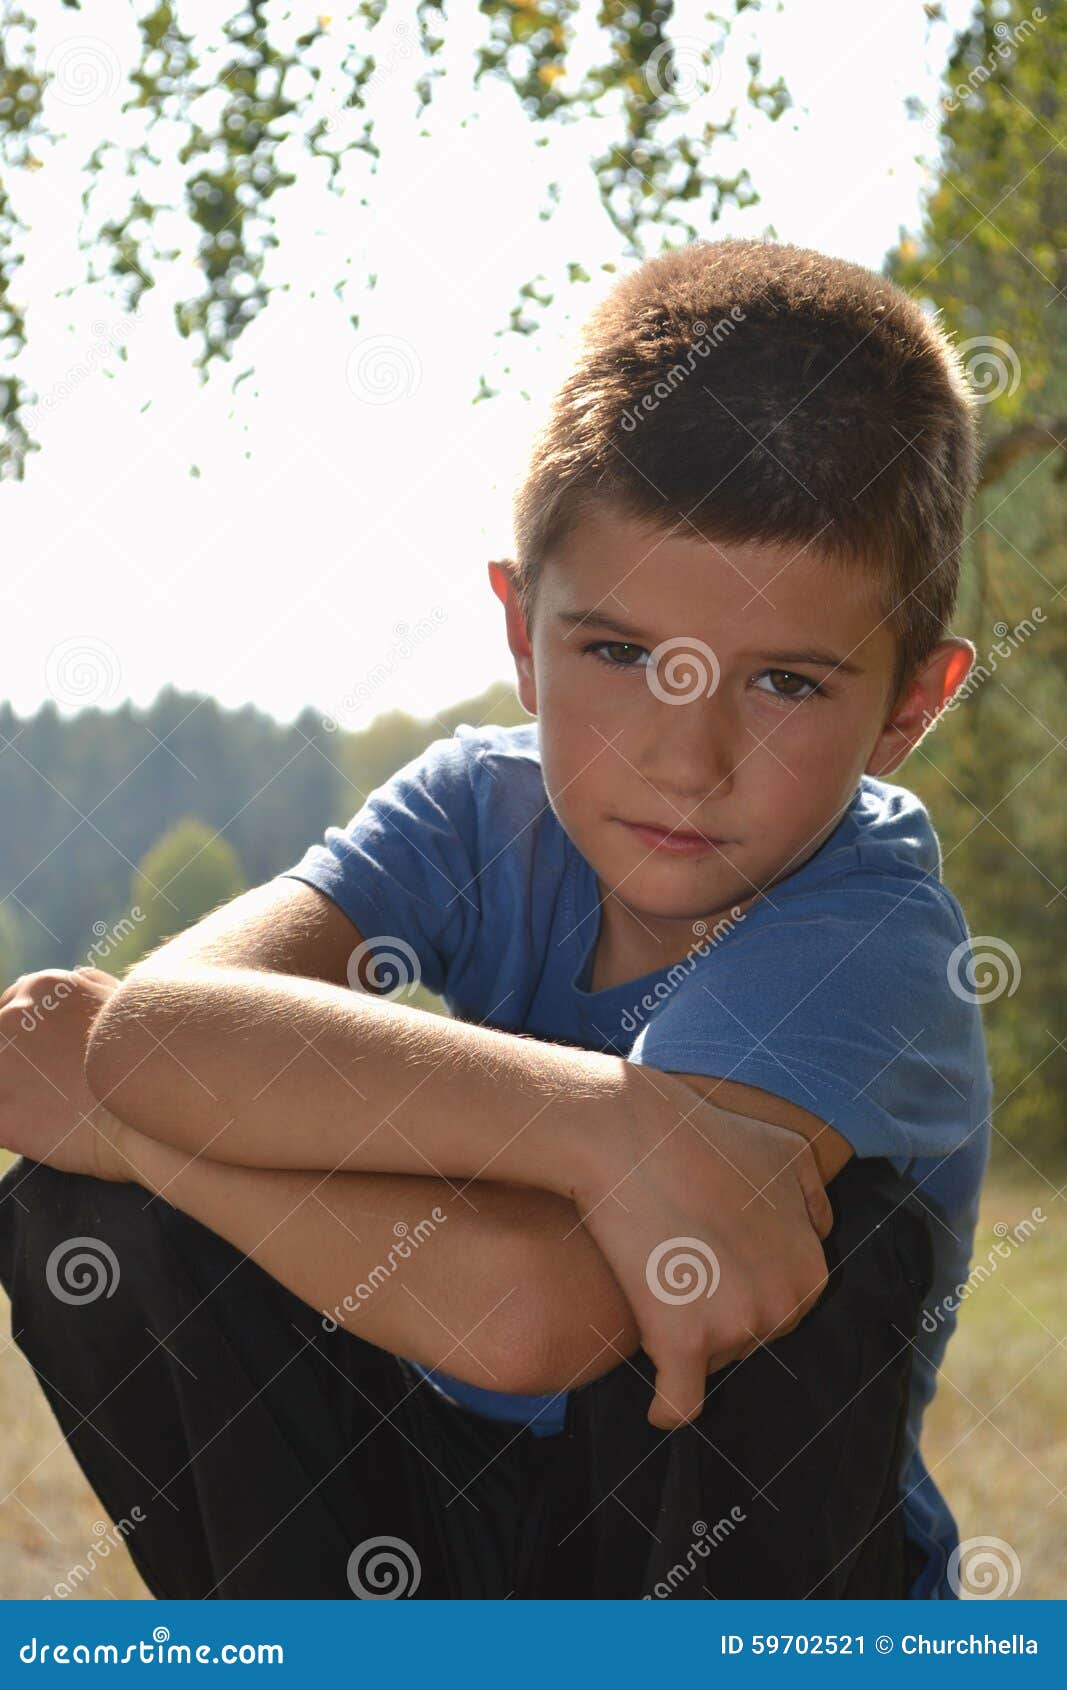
(47,1111)
(709,1268)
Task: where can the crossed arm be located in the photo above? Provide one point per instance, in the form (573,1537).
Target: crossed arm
(551,1174)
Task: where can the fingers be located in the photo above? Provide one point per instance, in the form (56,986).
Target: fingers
(820,1209)
(98,976)
(10,991)
(680,1389)
(680,1396)
(682,1374)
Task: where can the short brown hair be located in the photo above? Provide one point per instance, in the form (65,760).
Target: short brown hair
(749,391)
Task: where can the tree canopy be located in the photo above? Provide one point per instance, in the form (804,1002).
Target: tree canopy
(250,110)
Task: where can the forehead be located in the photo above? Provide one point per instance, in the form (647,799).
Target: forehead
(749,593)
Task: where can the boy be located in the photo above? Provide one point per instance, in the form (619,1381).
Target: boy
(617,1145)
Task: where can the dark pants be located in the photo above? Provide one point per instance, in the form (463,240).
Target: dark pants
(254,1454)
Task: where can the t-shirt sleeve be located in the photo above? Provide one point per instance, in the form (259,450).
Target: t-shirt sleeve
(846,1001)
(404,869)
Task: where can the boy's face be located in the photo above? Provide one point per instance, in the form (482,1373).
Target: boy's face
(702,716)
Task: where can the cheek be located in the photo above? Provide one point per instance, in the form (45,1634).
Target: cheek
(801,761)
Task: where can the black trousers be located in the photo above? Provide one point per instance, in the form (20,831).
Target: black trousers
(251,1453)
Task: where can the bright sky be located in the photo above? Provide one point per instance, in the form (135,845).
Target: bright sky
(345,558)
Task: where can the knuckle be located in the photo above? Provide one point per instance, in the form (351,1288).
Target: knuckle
(691,1345)
(817,1278)
(779,1314)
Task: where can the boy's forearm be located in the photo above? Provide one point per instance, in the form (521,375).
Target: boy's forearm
(276,1071)
(400,1260)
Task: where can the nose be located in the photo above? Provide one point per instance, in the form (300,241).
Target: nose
(689,749)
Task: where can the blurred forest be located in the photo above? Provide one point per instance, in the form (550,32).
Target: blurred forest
(201,803)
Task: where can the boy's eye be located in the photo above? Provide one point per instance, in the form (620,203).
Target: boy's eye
(599,646)
(812,686)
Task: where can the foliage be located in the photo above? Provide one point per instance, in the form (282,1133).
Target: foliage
(241,115)
(991,255)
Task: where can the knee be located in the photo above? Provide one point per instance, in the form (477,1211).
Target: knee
(66,1240)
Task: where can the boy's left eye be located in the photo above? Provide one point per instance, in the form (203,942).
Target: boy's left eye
(812,686)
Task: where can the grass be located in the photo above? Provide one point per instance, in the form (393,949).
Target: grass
(993,1437)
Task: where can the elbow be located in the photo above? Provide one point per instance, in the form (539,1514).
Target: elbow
(564,1360)
(505,1352)
(563,1335)
(118,1063)
(103,1064)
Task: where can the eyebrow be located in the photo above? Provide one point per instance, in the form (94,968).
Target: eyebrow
(820,659)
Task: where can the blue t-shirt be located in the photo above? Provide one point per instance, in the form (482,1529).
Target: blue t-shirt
(833,990)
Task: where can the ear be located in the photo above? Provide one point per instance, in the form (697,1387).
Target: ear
(502,577)
(922,701)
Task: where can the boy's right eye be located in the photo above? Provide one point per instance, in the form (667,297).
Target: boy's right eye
(599,646)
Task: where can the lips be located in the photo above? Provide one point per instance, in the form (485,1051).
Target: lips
(678,832)
(662,841)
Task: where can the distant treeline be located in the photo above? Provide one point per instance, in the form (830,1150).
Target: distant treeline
(119,828)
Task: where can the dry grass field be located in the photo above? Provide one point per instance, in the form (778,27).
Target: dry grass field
(995,1438)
